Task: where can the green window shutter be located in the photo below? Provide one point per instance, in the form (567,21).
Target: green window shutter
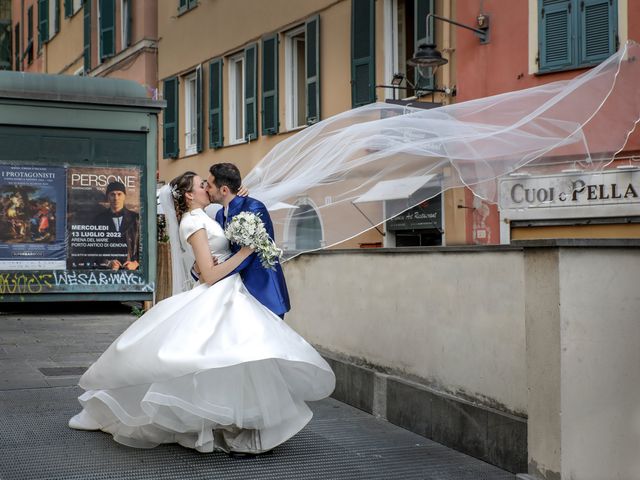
(16,48)
(199,119)
(555,32)
(107,28)
(68,8)
(598,28)
(182,6)
(215,104)
(87,35)
(422,8)
(363,51)
(29,48)
(5,45)
(43,22)
(170,120)
(250,99)
(312,65)
(270,85)
(57,16)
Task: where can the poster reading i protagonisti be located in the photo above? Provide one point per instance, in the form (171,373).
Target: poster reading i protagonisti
(103,218)
(32,206)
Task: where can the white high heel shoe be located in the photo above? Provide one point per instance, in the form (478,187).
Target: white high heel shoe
(82,421)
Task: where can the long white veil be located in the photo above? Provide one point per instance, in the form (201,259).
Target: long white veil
(181,260)
(364,166)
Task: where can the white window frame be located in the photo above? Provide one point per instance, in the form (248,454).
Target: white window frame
(235,136)
(125,25)
(291,75)
(390,46)
(77,5)
(52,21)
(190,114)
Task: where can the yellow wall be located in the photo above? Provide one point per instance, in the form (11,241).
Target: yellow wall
(218,30)
(64,51)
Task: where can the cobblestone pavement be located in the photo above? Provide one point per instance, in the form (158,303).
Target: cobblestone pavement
(44,349)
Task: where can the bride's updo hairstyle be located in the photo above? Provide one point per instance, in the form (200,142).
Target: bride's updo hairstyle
(179,187)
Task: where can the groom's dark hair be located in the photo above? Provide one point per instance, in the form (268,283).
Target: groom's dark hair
(226,174)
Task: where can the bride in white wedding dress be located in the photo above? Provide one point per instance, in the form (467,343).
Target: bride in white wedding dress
(210,368)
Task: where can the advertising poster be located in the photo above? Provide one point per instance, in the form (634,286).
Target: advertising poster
(32,217)
(103,222)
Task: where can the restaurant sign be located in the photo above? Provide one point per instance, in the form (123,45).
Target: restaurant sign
(424,216)
(571,190)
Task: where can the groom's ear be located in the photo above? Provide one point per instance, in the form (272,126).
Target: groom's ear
(224,190)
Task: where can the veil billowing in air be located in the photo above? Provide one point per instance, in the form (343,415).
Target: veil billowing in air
(364,166)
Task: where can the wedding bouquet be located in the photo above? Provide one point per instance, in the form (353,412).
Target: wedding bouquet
(247,230)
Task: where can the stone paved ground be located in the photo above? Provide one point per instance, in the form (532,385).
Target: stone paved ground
(44,348)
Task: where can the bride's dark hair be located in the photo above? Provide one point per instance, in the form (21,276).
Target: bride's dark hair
(179,187)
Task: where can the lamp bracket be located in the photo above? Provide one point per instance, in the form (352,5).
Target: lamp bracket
(482,21)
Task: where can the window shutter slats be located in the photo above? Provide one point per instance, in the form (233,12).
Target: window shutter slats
(555,32)
(312,66)
(422,8)
(250,86)
(270,85)
(170,119)
(598,21)
(43,22)
(199,117)
(68,8)
(215,104)
(87,35)
(363,65)
(107,28)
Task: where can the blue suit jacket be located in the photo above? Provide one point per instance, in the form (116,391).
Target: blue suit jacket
(268,286)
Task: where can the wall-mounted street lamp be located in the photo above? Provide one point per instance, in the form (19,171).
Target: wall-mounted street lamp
(427,59)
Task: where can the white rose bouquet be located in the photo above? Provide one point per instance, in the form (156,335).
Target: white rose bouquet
(247,230)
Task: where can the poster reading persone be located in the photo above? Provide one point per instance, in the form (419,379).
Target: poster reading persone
(32,217)
(103,218)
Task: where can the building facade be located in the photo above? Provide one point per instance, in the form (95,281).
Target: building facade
(236,84)
(534,42)
(106,38)
(242,83)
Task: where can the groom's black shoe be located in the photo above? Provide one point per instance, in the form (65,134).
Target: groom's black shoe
(238,455)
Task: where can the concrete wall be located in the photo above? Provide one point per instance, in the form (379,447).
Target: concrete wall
(453,319)
(547,332)
(600,369)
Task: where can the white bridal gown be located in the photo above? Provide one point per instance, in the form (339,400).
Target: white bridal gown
(210,369)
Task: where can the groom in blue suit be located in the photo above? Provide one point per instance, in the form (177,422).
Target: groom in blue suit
(266,285)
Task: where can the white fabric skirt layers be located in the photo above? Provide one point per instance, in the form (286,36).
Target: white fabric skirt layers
(210,369)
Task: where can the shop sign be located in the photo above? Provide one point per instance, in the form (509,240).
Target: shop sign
(426,215)
(570,190)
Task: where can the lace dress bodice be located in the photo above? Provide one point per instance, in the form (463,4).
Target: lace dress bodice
(197,219)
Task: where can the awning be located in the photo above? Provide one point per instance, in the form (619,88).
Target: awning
(400,188)
(280,206)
